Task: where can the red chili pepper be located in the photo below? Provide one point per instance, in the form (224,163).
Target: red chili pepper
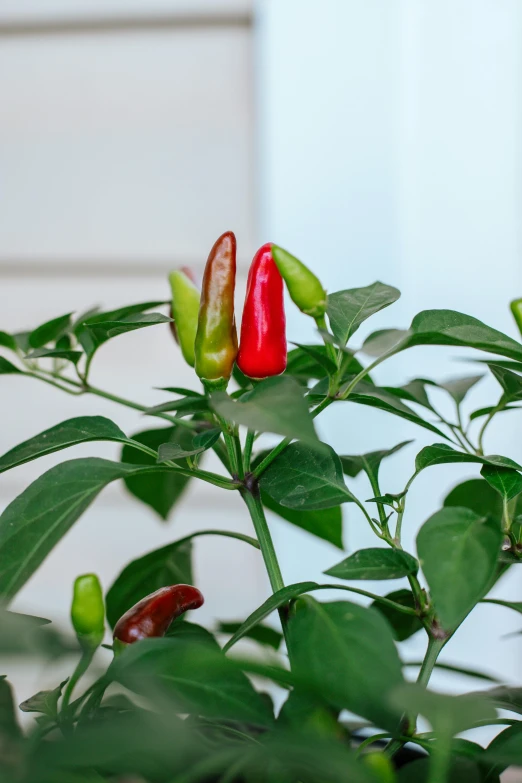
(152,615)
(262,350)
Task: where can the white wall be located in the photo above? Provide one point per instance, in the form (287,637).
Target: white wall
(391,149)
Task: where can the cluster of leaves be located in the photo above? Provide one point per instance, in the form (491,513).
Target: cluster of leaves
(184,707)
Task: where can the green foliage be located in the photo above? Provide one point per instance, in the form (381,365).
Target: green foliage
(181,709)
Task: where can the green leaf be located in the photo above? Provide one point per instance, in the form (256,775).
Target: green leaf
(45,702)
(379,397)
(370,463)
(489,408)
(37,519)
(448,715)
(9,729)
(442,453)
(305,366)
(25,635)
(171,564)
(507,482)
(346,652)
(506,749)
(459,387)
(319,354)
(189,668)
(383,340)
(103,331)
(504,697)
(375,564)
(347,310)
(173,451)
(458,552)
(55,353)
(185,405)
(460,770)
(511,382)
(325,523)
(68,433)
(275,601)
(403,625)
(7,341)
(448,327)
(6,368)
(86,327)
(259,633)
(477,495)
(414,391)
(162,490)
(50,331)
(274,405)
(304,478)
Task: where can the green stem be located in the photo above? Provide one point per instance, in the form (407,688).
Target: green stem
(430,659)
(255,507)
(81,668)
(330,350)
(370,740)
(366,370)
(498,407)
(230,444)
(247,452)
(374,482)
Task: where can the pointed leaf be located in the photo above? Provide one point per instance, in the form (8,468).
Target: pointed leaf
(370,463)
(55,353)
(318,353)
(510,382)
(448,715)
(85,328)
(507,482)
(347,653)
(7,341)
(274,405)
(347,310)
(304,478)
(68,433)
(458,552)
(45,702)
(505,697)
(459,387)
(442,453)
(383,340)
(375,564)
(7,368)
(506,748)
(477,495)
(37,519)
(50,331)
(448,327)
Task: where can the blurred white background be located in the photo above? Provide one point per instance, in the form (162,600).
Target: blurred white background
(374,139)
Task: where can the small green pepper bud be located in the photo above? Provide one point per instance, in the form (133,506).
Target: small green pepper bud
(516,309)
(185,310)
(304,287)
(88,611)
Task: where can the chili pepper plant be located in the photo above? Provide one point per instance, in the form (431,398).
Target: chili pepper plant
(176,702)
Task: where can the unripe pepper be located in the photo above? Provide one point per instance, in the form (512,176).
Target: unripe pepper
(304,287)
(216,337)
(88,611)
(152,616)
(185,310)
(262,351)
(516,309)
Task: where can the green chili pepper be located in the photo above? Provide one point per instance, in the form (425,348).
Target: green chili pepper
(516,309)
(216,338)
(88,611)
(304,287)
(185,309)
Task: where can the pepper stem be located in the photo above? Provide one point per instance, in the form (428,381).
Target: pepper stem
(81,668)
(255,507)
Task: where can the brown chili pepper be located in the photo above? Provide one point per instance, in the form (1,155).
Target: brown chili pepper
(152,616)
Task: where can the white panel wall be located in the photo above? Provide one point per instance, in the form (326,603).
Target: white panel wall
(122,155)
(391,150)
